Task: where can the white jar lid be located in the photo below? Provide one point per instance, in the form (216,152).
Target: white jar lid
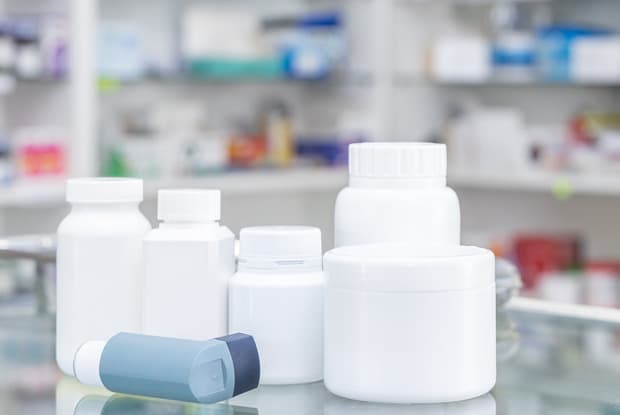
(404,268)
(104,190)
(188,205)
(270,246)
(397,160)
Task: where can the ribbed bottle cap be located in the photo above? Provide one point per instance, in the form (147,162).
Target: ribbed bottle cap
(397,160)
(104,190)
(188,205)
(267,246)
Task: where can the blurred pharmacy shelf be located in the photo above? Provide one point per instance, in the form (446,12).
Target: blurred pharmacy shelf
(561,185)
(261,181)
(349,78)
(32,194)
(411,79)
(267,181)
(534,83)
(308,179)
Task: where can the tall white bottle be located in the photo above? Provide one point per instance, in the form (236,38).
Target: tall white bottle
(188,262)
(99,264)
(397,193)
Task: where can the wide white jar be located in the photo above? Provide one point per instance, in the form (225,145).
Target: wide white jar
(397,193)
(409,325)
(99,264)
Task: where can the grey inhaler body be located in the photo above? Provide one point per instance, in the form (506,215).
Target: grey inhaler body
(167,368)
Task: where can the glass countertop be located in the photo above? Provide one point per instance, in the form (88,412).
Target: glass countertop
(545,366)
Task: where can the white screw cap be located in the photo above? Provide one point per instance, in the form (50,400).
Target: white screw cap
(104,190)
(280,242)
(397,160)
(188,205)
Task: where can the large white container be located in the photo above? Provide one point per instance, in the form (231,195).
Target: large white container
(277,297)
(397,193)
(189,260)
(409,325)
(99,264)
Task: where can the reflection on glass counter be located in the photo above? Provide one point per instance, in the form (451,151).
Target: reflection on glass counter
(547,369)
(546,365)
(73,398)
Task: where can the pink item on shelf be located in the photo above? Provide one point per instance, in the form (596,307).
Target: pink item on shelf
(41,152)
(41,160)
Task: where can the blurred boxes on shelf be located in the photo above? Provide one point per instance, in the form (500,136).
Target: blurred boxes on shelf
(241,44)
(461,59)
(596,59)
(32,48)
(517,52)
(182,138)
(120,51)
(33,153)
(554,267)
(40,152)
(514,56)
(224,43)
(227,44)
(602,285)
(537,254)
(489,140)
(556,44)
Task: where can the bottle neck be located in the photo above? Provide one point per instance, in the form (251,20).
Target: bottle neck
(397,182)
(280,265)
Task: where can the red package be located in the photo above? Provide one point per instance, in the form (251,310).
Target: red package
(536,255)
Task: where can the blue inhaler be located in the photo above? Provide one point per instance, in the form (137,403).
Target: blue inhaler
(186,370)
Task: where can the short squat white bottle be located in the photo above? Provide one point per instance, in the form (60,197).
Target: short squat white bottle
(277,297)
(99,264)
(188,261)
(397,193)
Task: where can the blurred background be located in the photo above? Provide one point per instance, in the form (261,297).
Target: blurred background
(262,98)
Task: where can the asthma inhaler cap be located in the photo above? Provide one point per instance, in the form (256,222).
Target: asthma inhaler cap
(188,205)
(397,160)
(273,246)
(104,190)
(246,361)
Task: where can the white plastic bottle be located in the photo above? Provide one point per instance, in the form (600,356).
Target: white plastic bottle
(277,297)
(397,193)
(99,264)
(189,260)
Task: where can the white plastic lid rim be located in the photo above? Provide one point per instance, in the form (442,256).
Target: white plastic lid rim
(189,205)
(397,160)
(271,246)
(104,190)
(405,268)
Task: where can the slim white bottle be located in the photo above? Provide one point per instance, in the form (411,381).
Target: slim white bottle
(277,297)
(188,262)
(99,264)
